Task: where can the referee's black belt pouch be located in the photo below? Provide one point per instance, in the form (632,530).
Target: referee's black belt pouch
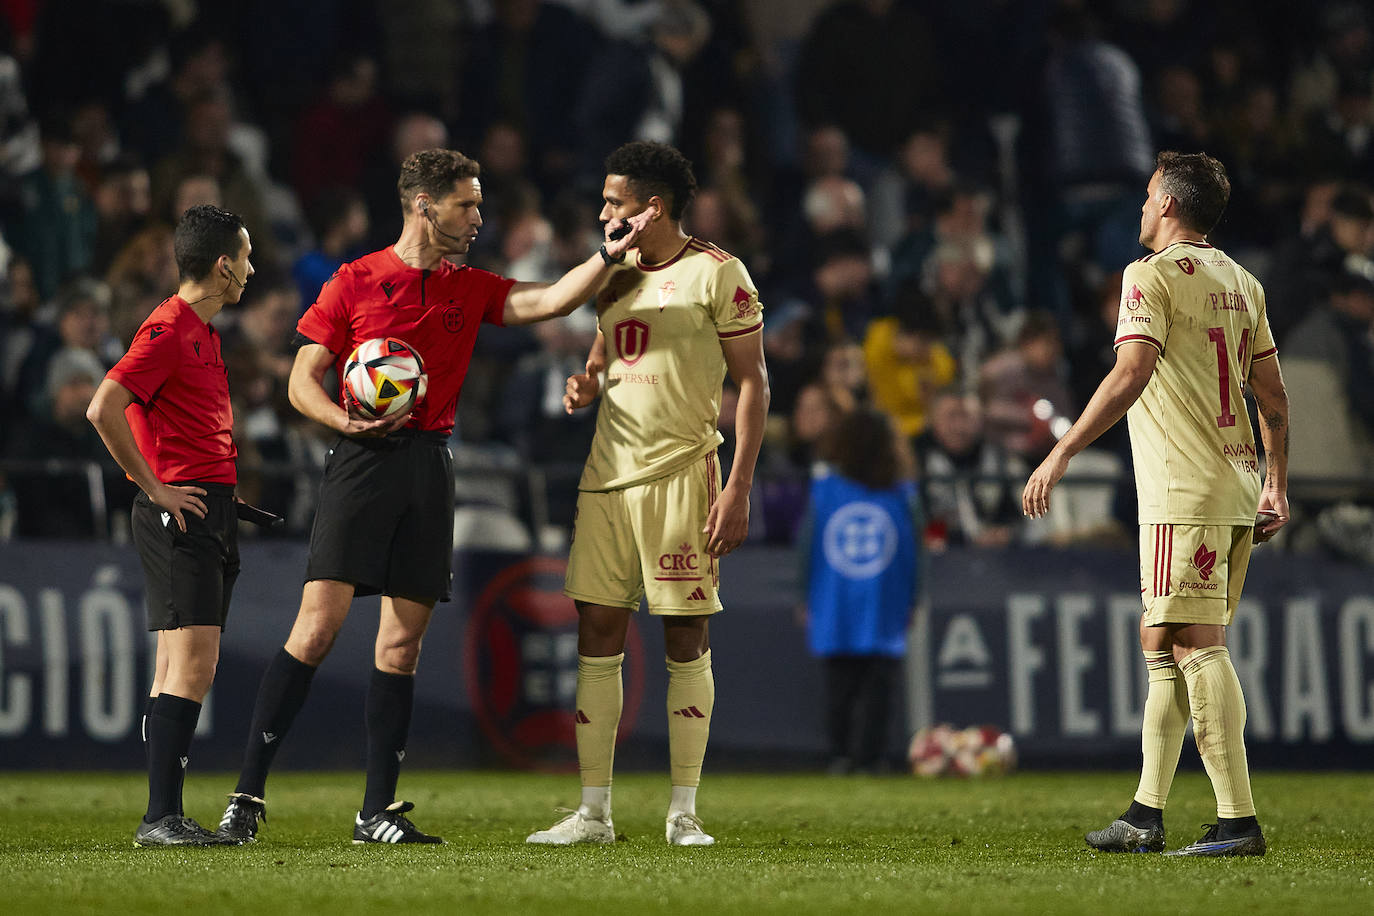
(217,490)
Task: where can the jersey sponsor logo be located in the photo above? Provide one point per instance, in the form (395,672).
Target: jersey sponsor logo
(388,288)
(1203,561)
(698,594)
(681,562)
(1133,299)
(860,540)
(744,303)
(156,332)
(453,319)
(665,293)
(689,712)
(1185,265)
(166,517)
(631,340)
(196,344)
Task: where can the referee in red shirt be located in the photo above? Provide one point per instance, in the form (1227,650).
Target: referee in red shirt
(385,519)
(164,414)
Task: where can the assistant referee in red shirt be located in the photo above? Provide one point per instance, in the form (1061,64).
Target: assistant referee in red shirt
(164,414)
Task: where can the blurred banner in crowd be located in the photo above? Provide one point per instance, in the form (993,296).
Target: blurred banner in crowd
(1042,644)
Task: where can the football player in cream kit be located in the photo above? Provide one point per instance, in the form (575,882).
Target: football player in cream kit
(652,518)
(1192,332)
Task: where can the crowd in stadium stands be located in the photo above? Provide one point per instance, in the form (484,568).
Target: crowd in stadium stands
(936,201)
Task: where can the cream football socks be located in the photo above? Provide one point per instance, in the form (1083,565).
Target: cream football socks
(1166,722)
(1218,709)
(691,696)
(599,701)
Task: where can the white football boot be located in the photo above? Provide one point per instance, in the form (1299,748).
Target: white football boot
(685,830)
(576,827)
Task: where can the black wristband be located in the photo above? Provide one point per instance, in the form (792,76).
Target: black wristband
(606,256)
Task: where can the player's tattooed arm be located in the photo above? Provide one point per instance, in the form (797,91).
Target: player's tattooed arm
(1266,382)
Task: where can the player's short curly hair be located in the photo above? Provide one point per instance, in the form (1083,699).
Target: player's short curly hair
(1199,185)
(434,172)
(202,235)
(655,169)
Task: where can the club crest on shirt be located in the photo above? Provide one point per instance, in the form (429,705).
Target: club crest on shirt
(631,340)
(1185,265)
(453,319)
(1133,298)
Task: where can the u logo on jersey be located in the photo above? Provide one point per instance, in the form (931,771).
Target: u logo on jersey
(631,340)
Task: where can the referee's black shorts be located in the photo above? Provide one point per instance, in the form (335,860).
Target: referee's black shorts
(190,575)
(385,517)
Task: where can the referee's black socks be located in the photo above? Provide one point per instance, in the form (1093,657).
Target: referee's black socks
(170,726)
(390,698)
(281,695)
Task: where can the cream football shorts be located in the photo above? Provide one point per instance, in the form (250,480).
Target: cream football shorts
(1193,573)
(646,541)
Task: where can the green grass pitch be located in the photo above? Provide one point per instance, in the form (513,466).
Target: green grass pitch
(785,844)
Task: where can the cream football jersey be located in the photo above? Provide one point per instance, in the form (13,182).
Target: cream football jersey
(1191,441)
(663,325)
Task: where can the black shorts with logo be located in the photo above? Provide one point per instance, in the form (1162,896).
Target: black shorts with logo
(190,575)
(385,516)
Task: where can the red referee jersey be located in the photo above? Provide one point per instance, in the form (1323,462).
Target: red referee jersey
(437,312)
(181,418)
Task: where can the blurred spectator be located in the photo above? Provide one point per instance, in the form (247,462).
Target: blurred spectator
(1179,121)
(907,193)
(20,149)
(528,68)
(54,227)
(1340,140)
(1344,52)
(1088,153)
(257,355)
(144,266)
(336,133)
(784,346)
(907,363)
(192,191)
(845,295)
(205,151)
(413,132)
(18,327)
(1025,390)
(815,412)
(338,219)
(637,90)
(94,132)
(123,202)
(155,124)
(960,216)
(1290,265)
(82,324)
(1340,333)
(972,486)
(870,67)
(973,322)
(859,553)
(58,504)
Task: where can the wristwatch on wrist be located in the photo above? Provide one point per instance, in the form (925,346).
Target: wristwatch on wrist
(606,255)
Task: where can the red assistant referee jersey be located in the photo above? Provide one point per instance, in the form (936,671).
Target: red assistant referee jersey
(437,312)
(181,418)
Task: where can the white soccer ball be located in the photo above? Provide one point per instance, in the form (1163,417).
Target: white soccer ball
(384,376)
